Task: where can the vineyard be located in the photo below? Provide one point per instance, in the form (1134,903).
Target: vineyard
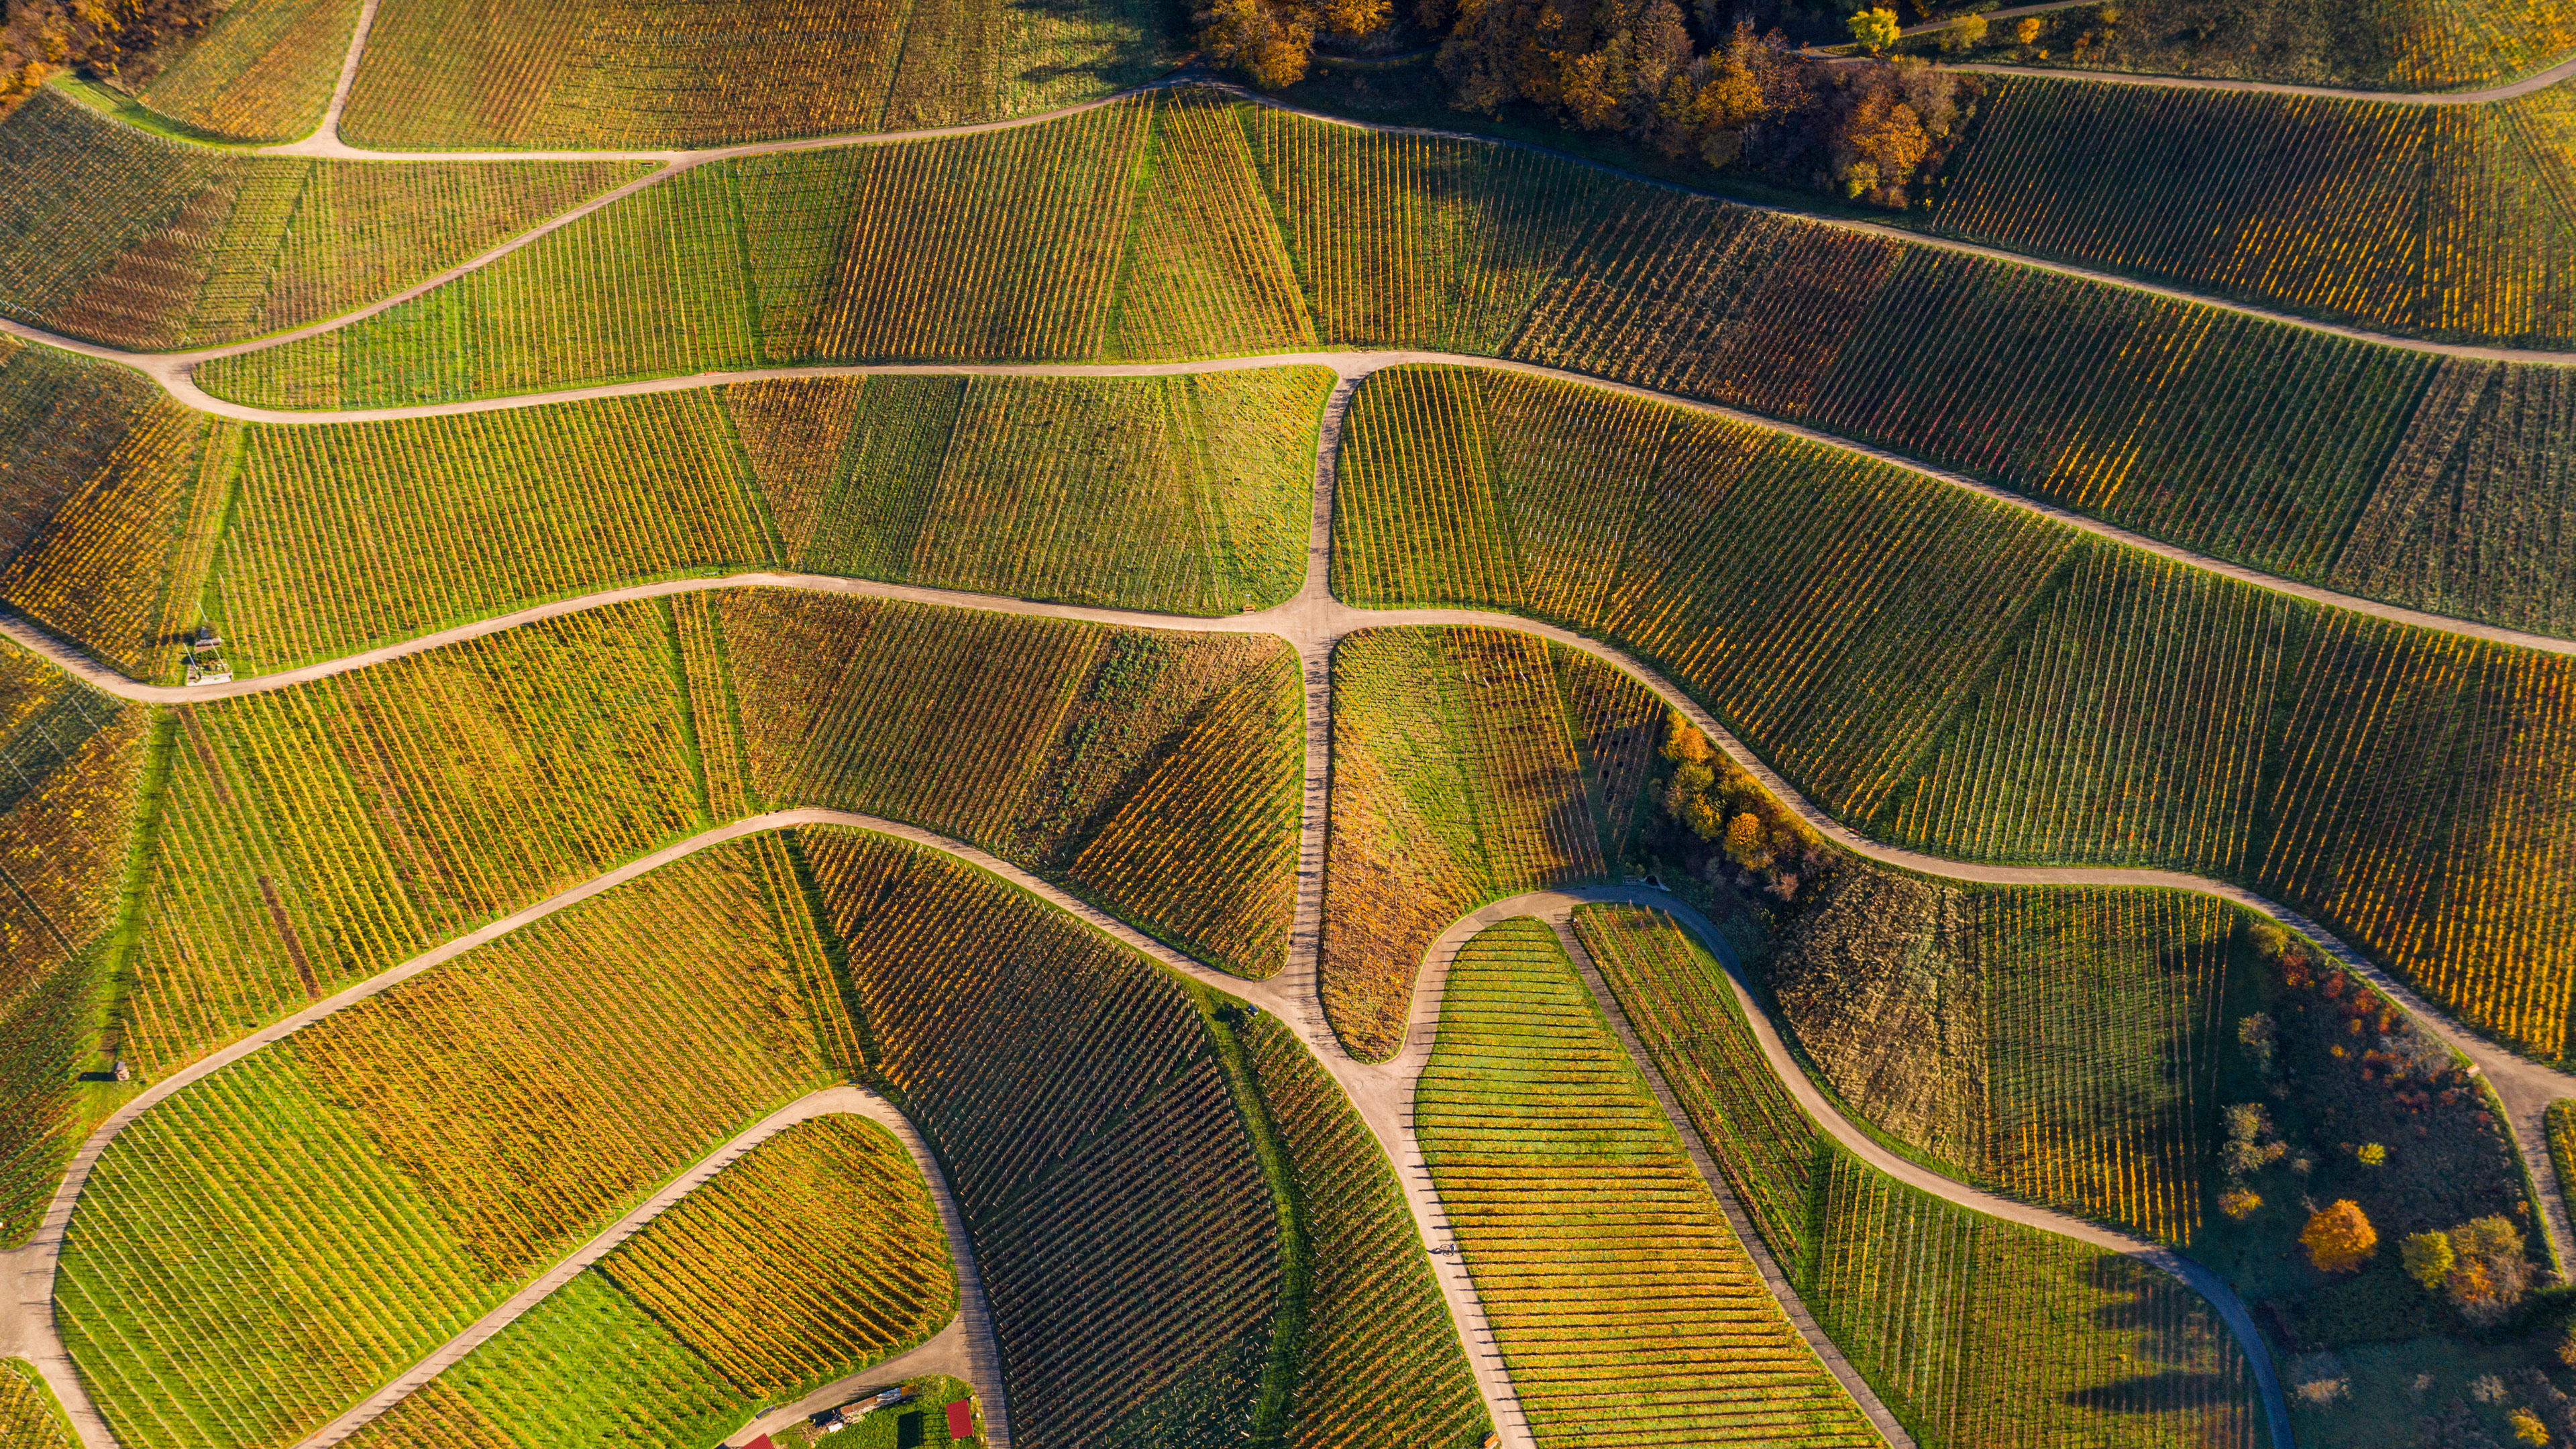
(1869,598)
(2290,200)
(139,242)
(1614,1286)
(1178,495)
(2473,515)
(1120,1215)
(2057,1043)
(92,471)
(1982,683)
(439,1143)
(1381,1356)
(1082,732)
(28,1418)
(68,805)
(1147,229)
(818,1252)
(2128,725)
(813,1255)
(587,1363)
(200,1315)
(314,836)
(2396,45)
(353,534)
(1469,764)
(653,74)
(1976,1331)
(263,71)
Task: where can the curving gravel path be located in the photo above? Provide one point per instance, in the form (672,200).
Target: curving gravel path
(1351,365)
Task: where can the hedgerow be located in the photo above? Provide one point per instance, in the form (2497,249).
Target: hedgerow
(1976,1331)
(1615,1287)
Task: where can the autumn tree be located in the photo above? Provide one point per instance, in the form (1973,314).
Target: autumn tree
(2428,1258)
(2493,1273)
(1875,29)
(2339,1238)
(1273,41)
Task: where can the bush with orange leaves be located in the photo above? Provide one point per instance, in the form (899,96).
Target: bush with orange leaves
(2339,1238)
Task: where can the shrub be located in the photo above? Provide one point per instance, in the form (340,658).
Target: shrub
(2238,1203)
(2428,1258)
(2372,1154)
(2339,1238)
(2493,1272)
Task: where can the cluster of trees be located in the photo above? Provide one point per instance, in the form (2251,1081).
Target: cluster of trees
(1683,85)
(97,37)
(2483,1267)
(1743,835)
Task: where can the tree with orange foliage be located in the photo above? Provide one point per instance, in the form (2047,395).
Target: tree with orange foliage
(2339,1238)
(1273,41)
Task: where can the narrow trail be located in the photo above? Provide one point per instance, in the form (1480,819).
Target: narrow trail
(970,1331)
(2540,81)
(1351,365)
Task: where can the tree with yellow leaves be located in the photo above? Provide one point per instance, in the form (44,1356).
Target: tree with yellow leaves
(2339,1237)
(1875,29)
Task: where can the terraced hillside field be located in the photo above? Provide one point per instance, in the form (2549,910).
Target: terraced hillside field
(652,74)
(2390,45)
(1576,1209)
(2255,440)
(149,244)
(2291,199)
(1978,1330)
(1968,677)
(1120,1211)
(444,1149)
(1470,764)
(885,664)
(817,1253)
